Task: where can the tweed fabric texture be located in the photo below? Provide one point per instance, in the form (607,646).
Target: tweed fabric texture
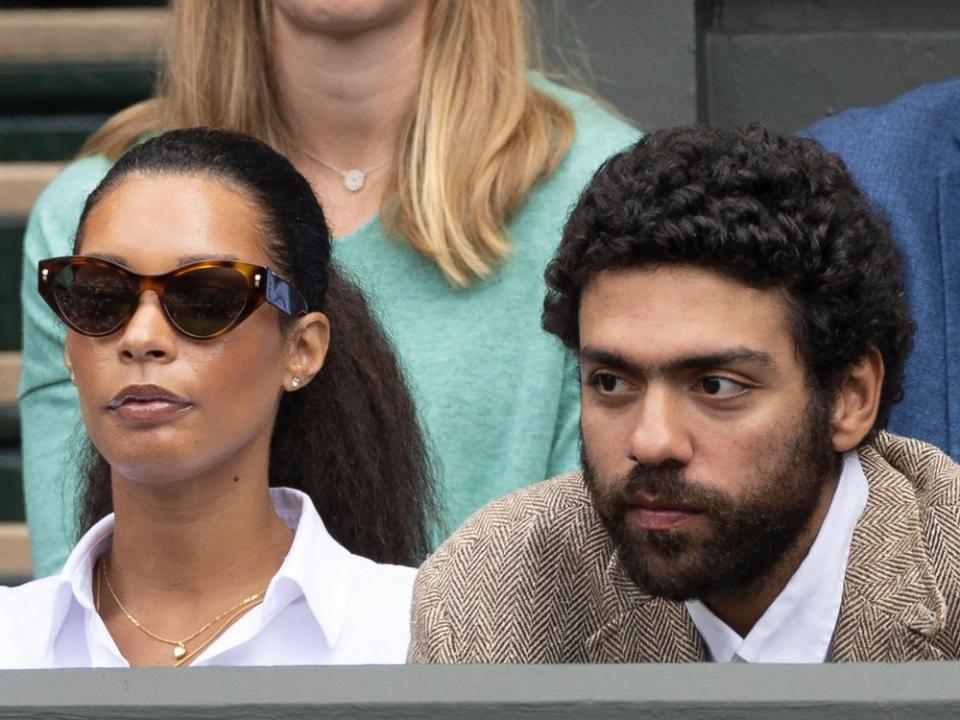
(534,578)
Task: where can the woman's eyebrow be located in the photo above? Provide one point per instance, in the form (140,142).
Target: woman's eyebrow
(116,259)
(187,259)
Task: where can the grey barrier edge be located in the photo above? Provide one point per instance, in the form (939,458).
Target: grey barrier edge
(929,690)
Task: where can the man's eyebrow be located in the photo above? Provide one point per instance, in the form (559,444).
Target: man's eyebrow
(718,359)
(689,362)
(609,359)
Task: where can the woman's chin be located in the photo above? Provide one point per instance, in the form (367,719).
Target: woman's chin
(156,468)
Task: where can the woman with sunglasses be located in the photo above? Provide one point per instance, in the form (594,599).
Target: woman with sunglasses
(445,167)
(232,385)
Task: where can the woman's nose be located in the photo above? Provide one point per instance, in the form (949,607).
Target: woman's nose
(148,335)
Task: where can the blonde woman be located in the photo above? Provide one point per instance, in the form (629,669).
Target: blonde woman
(445,167)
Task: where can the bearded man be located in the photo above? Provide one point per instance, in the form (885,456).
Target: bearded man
(740,321)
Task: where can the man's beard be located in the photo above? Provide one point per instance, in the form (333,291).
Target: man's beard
(748,534)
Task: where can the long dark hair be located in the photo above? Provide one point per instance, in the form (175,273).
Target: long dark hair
(350,438)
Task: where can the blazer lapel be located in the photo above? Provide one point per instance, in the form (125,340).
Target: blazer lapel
(639,628)
(892,608)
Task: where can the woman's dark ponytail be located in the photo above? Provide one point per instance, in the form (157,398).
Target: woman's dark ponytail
(364,458)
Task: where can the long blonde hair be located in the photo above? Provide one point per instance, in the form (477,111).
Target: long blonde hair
(479,137)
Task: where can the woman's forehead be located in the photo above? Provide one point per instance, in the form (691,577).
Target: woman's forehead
(153,222)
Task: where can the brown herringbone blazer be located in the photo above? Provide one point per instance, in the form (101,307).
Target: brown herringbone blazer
(533,577)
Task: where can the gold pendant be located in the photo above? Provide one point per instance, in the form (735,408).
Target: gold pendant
(179,651)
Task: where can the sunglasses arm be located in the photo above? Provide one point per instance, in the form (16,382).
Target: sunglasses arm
(284,296)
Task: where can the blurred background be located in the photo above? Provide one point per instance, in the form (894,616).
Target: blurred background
(66,66)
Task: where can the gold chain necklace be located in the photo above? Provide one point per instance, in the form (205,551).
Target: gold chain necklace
(180,653)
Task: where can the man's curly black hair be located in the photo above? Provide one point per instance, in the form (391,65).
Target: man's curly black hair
(768,211)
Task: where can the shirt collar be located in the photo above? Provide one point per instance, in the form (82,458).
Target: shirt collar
(78,570)
(799,624)
(75,580)
(316,567)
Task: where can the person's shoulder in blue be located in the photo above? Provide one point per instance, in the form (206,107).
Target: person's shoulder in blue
(906,156)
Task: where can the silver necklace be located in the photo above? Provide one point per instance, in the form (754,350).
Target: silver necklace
(353,179)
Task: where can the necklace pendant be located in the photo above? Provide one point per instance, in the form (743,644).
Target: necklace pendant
(179,651)
(354,180)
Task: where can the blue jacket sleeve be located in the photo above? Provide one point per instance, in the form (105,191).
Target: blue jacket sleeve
(906,157)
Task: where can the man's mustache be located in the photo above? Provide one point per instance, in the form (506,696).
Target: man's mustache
(669,484)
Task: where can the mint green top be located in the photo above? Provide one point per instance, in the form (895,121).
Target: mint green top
(498,397)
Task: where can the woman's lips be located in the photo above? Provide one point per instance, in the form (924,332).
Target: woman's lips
(147,404)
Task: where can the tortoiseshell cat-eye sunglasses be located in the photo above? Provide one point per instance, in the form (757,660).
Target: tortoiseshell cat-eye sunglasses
(202,300)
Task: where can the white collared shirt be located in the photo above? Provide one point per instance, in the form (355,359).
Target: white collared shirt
(324,606)
(798,626)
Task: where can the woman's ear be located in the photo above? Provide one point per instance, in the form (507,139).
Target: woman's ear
(307,349)
(857,401)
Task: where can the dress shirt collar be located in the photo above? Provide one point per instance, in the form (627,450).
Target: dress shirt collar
(316,567)
(798,626)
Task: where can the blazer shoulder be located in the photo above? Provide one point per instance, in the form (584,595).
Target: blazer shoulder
(927,483)
(547,508)
(933,475)
(518,564)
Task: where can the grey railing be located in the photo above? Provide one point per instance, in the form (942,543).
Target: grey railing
(660,692)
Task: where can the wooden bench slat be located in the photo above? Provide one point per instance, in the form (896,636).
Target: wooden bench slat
(95,34)
(10,365)
(21,183)
(15,550)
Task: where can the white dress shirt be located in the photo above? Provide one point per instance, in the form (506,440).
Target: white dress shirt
(324,606)
(798,626)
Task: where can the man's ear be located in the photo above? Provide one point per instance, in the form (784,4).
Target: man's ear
(857,401)
(307,347)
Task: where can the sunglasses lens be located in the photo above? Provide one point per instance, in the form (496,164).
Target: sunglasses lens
(205,301)
(94,299)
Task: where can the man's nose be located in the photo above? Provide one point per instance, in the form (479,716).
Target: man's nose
(660,433)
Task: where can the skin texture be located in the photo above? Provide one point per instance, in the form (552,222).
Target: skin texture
(347,74)
(693,389)
(195,531)
(345,18)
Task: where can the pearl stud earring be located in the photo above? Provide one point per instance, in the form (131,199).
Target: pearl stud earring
(295,382)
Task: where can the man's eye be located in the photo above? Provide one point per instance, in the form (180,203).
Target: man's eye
(607,382)
(720,386)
